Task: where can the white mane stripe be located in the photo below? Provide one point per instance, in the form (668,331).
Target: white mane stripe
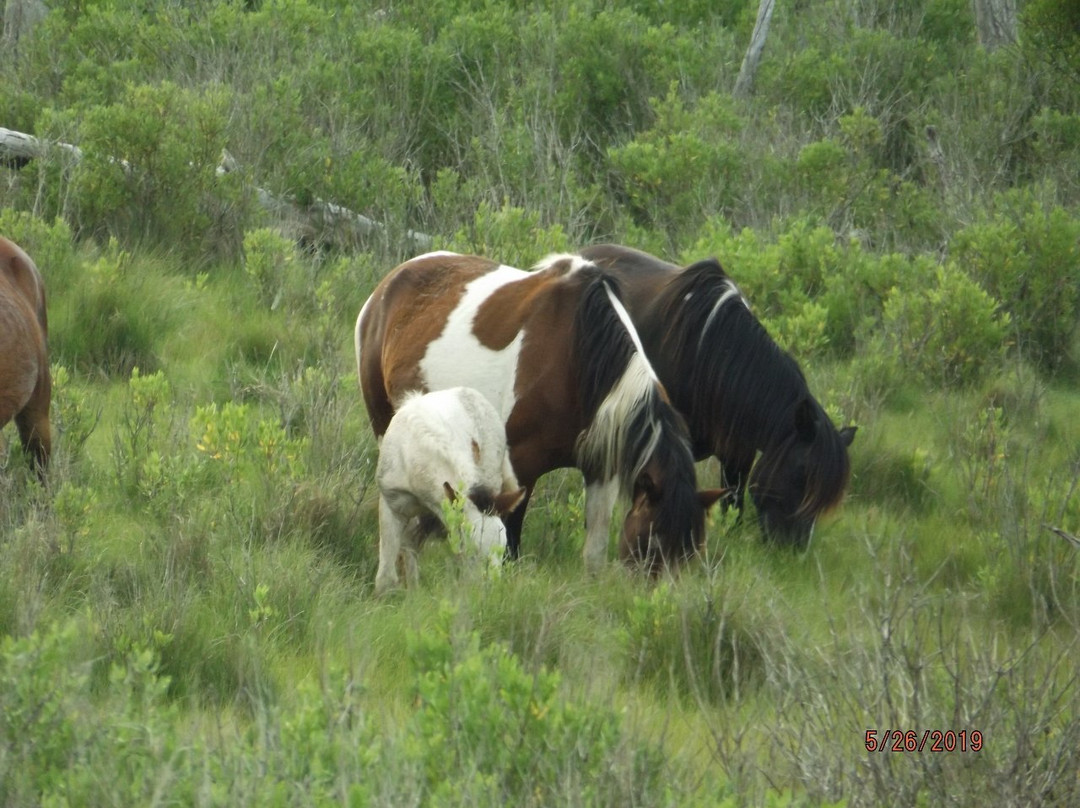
(624,316)
(731,292)
(606,439)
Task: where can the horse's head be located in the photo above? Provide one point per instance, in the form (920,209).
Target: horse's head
(800,476)
(662,528)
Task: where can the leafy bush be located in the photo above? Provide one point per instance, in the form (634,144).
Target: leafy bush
(149,165)
(506,734)
(943,327)
(684,168)
(1028,257)
(510,235)
(48,245)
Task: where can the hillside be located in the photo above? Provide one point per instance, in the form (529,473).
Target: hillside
(186,606)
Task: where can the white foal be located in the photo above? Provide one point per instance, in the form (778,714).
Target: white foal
(436,445)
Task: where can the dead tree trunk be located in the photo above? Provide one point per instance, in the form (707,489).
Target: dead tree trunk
(996,22)
(19,17)
(744,84)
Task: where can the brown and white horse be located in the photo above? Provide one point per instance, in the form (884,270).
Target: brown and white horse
(554,351)
(25,383)
(745,400)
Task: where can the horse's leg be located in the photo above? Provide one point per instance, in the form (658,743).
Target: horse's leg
(734,478)
(391,531)
(416,533)
(599,501)
(33,423)
(513,522)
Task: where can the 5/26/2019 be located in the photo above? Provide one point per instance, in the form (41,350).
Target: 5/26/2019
(929,740)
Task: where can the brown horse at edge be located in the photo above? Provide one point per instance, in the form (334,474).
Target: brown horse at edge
(25,383)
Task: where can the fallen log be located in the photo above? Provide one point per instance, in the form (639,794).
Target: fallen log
(319,222)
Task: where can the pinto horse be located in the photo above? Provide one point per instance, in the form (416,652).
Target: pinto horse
(434,442)
(25,383)
(556,354)
(740,393)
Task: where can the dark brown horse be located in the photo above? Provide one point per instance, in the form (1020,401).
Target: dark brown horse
(745,400)
(555,353)
(25,384)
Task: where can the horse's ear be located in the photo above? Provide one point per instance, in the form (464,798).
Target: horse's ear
(847,434)
(451,494)
(806,421)
(508,501)
(711,496)
(645,486)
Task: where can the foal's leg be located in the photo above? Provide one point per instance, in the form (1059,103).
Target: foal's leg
(416,533)
(391,531)
(599,501)
(33,423)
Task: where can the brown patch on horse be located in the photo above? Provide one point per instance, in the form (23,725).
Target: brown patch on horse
(499,318)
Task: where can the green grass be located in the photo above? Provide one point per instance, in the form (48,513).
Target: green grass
(236,593)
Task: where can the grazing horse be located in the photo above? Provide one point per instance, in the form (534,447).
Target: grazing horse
(740,393)
(556,354)
(434,442)
(25,384)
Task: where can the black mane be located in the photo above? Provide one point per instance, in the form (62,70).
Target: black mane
(653,431)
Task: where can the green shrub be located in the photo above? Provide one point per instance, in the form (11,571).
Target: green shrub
(508,735)
(41,725)
(609,65)
(115,316)
(946,329)
(684,168)
(510,235)
(148,170)
(48,245)
(854,296)
(1028,256)
(267,255)
(694,647)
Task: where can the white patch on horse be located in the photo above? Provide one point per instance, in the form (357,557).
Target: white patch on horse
(356,335)
(434,254)
(457,357)
(576,262)
(730,293)
(629,325)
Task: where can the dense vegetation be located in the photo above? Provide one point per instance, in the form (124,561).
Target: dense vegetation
(186,613)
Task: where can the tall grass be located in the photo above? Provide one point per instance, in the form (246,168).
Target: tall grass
(186,606)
